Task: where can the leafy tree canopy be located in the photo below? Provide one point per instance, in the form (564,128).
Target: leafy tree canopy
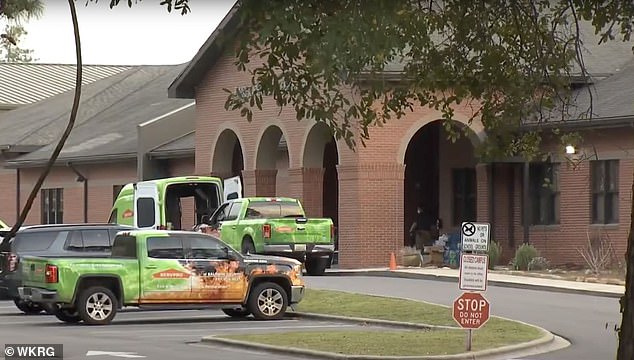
(505,59)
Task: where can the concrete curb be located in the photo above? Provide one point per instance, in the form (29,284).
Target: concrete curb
(546,338)
(379,322)
(447,278)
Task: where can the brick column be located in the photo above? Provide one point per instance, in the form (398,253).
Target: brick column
(307,185)
(370,214)
(482,192)
(259,182)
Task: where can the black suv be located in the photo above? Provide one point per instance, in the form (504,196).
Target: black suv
(83,240)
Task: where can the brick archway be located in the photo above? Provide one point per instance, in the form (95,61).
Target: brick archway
(228,155)
(271,163)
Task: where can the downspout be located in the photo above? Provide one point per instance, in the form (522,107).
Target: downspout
(491,199)
(512,169)
(527,206)
(17,194)
(82,178)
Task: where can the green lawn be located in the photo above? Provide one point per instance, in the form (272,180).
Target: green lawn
(385,342)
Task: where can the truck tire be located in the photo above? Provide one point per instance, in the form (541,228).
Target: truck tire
(316,267)
(67,315)
(236,312)
(97,305)
(27,307)
(247,246)
(267,301)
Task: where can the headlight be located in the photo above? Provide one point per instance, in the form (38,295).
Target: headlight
(298,269)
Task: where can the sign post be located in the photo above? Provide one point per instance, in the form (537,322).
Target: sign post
(471,311)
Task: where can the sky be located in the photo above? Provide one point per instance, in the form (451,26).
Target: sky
(146,34)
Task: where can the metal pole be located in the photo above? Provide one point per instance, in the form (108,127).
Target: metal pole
(469,337)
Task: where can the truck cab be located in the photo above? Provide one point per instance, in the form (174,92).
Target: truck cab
(175,203)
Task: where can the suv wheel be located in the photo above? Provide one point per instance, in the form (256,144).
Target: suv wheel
(236,312)
(97,305)
(67,315)
(28,307)
(267,301)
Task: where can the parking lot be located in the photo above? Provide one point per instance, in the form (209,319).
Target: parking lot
(165,334)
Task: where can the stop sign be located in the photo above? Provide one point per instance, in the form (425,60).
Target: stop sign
(471,310)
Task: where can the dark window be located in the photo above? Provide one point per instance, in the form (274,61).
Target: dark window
(168,247)
(75,243)
(52,206)
(605,192)
(96,240)
(234,212)
(37,241)
(113,217)
(116,189)
(464,195)
(544,193)
(273,209)
(220,214)
(206,247)
(145,213)
(124,246)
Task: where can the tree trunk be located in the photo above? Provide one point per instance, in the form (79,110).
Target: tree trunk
(65,135)
(626,330)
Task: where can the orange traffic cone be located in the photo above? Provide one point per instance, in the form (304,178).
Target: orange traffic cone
(392,261)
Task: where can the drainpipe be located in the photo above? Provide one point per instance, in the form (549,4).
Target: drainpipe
(491,178)
(82,178)
(17,194)
(527,205)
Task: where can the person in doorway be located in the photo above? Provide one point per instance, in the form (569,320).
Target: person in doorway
(422,228)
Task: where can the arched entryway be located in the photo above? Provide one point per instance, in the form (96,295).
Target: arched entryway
(272,163)
(228,159)
(440,175)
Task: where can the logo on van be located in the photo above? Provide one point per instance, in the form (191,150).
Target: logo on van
(127,214)
(171,274)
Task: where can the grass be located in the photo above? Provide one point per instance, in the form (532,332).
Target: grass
(389,342)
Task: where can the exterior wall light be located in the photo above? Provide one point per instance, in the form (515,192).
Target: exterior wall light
(570,150)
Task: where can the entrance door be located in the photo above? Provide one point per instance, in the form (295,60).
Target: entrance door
(146,209)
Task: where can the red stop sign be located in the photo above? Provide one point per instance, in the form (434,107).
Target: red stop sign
(471,310)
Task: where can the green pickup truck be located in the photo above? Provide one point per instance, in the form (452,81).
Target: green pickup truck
(276,226)
(150,268)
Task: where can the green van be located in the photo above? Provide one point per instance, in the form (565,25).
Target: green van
(156,204)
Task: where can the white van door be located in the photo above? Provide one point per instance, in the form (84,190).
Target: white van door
(233,188)
(146,205)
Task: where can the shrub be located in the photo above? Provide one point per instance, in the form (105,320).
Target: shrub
(495,253)
(539,263)
(523,257)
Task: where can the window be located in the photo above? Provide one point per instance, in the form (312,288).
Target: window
(52,206)
(113,217)
(220,214)
(145,213)
(124,246)
(205,247)
(605,192)
(167,247)
(96,240)
(544,193)
(273,209)
(37,241)
(116,189)
(464,195)
(234,212)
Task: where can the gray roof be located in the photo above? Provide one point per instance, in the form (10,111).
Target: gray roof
(106,126)
(26,83)
(181,146)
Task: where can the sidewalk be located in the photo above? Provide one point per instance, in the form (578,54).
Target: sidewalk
(494,279)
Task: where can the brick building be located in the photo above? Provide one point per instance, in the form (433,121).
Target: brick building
(372,193)
(127,128)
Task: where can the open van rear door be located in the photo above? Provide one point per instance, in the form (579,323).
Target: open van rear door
(233,188)
(146,205)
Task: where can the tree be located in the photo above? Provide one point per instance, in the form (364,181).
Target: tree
(9,49)
(356,64)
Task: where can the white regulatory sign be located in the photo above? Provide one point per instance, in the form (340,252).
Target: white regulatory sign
(473,272)
(475,236)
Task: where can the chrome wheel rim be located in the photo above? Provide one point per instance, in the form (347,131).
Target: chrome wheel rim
(99,306)
(270,302)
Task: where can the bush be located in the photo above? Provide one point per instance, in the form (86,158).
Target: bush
(523,257)
(539,263)
(495,253)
